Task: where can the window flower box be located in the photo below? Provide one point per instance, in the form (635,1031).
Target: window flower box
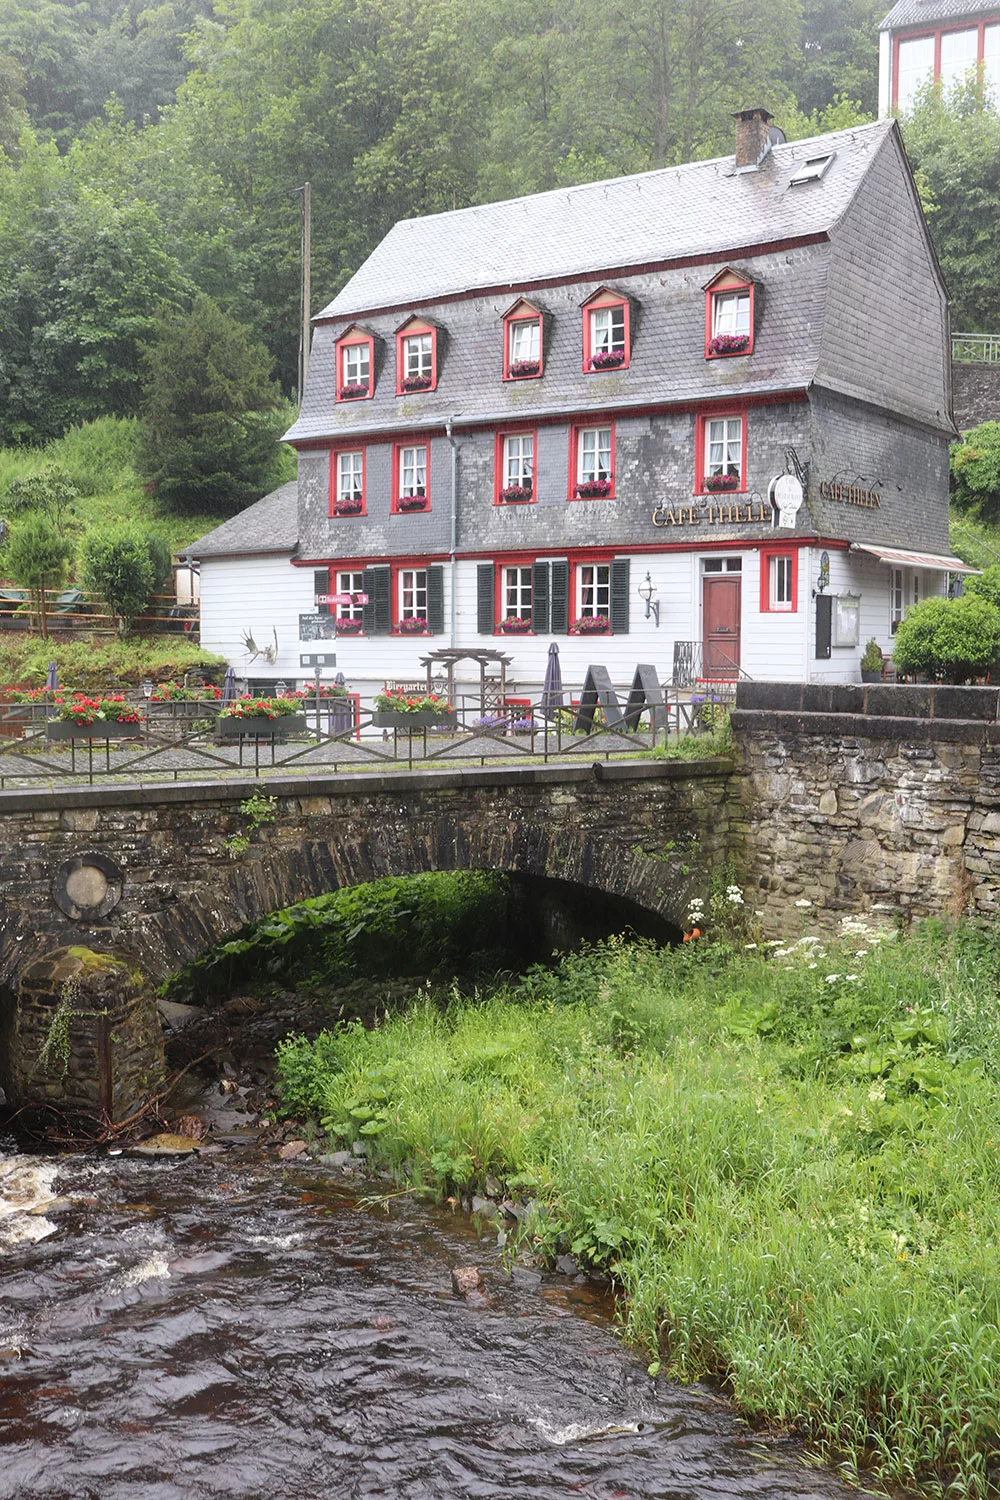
(411,502)
(413,625)
(593,489)
(415,383)
(729,343)
(349,627)
(516,494)
(592,625)
(607,359)
(715,483)
(353,390)
(350,505)
(515,625)
(521,369)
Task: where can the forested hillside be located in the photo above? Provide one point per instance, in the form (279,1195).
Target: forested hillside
(149,155)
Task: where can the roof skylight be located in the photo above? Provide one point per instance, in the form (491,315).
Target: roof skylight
(812,169)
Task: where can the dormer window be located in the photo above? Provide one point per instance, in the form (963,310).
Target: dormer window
(729,322)
(416,358)
(606,331)
(522,342)
(355,366)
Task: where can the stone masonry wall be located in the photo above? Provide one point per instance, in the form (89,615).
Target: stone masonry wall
(870,799)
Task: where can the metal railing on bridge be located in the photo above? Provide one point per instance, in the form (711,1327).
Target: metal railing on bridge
(975,348)
(186,741)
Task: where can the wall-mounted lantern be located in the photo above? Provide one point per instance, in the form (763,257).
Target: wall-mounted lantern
(647,589)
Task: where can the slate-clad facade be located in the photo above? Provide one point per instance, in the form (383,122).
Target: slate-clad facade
(736,378)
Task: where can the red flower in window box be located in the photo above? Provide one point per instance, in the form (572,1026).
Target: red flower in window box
(415,383)
(607,359)
(515,625)
(413,625)
(592,489)
(729,343)
(592,625)
(518,369)
(353,390)
(349,627)
(350,505)
(716,482)
(412,502)
(515,494)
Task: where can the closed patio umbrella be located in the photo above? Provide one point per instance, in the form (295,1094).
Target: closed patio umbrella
(340,708)
(552,688)
(52,679)
(229,686)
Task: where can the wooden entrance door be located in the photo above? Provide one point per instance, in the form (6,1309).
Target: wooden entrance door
(721,598)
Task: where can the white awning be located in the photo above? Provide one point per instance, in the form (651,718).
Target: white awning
(900,558)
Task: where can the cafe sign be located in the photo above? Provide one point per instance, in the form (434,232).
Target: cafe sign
(850,494)
(715,513)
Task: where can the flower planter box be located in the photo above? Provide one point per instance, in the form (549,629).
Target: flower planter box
(347,508)
(523,369)
(415,383)
(352,392)
(719,483)
(411,502)
(105,729)
(413,627)
(729,343)
(593,489)
(609,360)
(349,627)
(584,627)
(516,494)
(259,728)
(512,627)
(424,718)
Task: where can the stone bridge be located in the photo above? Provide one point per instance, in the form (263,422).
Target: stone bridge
(145,873)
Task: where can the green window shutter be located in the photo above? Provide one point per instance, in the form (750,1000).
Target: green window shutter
(484,599)
(321,585)
(540,598)
(435,599)
(619,595)
(377,584)
(559,600)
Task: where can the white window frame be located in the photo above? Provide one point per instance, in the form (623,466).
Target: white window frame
(350,474)
(593,590)
(730,313)
(607,329)
(729,438)
(517,593)
(418,355)
(595,442)
(963,49)
(912,76)
(412,593)
(357,364)
(413,470)
(519,459)
(350,583)
(780,582)
(897,598)
(525,339)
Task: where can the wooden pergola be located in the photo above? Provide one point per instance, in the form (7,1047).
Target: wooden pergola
(493,684)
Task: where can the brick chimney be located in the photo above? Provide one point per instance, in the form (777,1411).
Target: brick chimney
(753,140)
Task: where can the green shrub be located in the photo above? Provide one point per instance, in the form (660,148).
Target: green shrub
(952,639)
(117,564)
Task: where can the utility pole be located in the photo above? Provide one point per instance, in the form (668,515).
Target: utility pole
(306,192)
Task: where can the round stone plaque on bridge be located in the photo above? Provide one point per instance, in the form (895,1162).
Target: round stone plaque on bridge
(87,886)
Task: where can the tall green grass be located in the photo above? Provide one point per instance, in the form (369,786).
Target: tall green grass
(789,1160)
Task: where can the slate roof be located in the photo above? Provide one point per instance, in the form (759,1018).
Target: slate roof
(931,13)
(695,209)
(271,525)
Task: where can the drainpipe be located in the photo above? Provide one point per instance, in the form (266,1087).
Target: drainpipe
(453,548)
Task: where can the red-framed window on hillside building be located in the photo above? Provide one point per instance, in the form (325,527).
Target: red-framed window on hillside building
(729,321)
(779,580)
(721,453)
(585,592)
(523,343)
(606,331)
(411,474)
(592,462)
(514,470)
(416,357)
(355,366)
(347,482)
(949,55)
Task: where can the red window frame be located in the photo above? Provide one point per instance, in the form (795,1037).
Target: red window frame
(396,508)
(701,461)
(937,32)
(397,569)
(574,459)
(334,455)
(413,329)
(351,339)
(767,556)
(500,588)
(578,560)
(727,282)
(498,464)
(522,312)
(605,298)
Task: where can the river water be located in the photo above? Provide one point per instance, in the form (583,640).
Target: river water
(221,1327)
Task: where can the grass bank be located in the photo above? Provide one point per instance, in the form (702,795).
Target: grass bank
(789,1159)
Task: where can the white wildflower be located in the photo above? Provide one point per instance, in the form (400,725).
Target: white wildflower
(877,1093)
(852,978)
(832,978)
(814,966)
(803,903)
(861,953)
(734,895)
